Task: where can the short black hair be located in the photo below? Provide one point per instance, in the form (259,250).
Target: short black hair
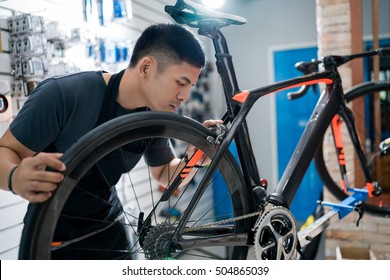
(170,44)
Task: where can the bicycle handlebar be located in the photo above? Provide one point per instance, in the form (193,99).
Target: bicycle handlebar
(384,51)
(306,68)
(330,62)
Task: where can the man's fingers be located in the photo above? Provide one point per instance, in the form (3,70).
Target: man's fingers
(37,177)
(49,160)
(45,176)
(37,197)
(38,191)
(210,123)
(40,186)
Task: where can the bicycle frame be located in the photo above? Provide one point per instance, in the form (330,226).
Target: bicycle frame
(229,80)
(239,103)
(239,106)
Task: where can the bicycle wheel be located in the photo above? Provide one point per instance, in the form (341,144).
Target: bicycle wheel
(150,239)
(326,158)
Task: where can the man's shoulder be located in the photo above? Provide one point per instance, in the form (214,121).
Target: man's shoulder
(86,81)
(79,76)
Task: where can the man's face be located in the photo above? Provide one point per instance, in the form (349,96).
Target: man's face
(166,91)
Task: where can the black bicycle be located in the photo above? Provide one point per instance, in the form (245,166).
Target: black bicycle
(191,221)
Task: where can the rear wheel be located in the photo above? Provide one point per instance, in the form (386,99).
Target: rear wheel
(152,221)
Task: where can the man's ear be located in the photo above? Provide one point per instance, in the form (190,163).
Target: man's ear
(144,66)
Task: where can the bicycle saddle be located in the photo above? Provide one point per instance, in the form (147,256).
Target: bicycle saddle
(196,15)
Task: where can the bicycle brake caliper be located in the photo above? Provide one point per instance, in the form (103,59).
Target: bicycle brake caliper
(220,130)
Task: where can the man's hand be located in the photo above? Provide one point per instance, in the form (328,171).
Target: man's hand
(163,174)
(204,160)
(33,182)
(211,123)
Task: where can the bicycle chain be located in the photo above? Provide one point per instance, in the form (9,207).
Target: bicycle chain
(224,221)
(267,208)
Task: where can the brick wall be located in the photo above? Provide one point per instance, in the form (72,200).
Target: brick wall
(334,32)
(334,25)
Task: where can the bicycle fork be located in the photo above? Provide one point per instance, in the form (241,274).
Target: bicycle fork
(345,113)
(354,202)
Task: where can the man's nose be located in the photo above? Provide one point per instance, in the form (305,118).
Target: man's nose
(184,95)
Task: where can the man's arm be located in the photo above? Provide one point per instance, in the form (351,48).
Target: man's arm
(30,179)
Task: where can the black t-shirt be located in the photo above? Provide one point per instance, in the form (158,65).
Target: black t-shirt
(63,109)
(59,112)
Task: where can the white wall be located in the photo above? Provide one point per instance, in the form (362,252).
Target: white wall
(12,209)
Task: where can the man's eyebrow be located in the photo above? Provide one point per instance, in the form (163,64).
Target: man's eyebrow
(186,79)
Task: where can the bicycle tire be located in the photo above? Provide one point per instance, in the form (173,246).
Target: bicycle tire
(326,159)
(40,225)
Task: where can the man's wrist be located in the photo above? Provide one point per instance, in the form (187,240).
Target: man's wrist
(10,188)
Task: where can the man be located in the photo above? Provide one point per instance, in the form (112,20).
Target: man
(166,62)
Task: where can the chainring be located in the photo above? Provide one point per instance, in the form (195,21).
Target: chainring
(276,235)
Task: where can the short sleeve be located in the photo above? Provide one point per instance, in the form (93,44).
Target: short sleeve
(39,121)
(159,153)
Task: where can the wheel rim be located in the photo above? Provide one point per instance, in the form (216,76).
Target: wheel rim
(51,209)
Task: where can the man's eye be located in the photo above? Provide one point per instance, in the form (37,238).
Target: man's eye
(180,83)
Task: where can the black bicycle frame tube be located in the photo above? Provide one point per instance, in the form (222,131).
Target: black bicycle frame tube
(326,108)
(225,68)
(252,97)
(321,117)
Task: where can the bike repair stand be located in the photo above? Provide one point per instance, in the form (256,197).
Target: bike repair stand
(353,202)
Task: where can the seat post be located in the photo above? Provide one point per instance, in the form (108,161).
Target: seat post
(224,64)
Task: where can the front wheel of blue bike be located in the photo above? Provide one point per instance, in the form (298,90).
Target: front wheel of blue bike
(149,214)
(378,163)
